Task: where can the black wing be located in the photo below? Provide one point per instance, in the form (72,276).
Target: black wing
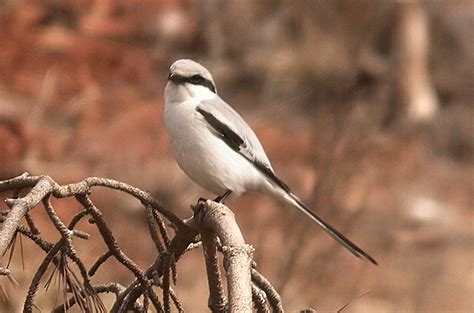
(238,144)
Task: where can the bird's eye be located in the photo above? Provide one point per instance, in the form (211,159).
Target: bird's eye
(196,79)
(201,81)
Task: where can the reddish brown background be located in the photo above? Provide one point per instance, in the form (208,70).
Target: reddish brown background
(81,86)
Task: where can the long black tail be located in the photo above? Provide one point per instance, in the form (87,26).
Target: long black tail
(353,248)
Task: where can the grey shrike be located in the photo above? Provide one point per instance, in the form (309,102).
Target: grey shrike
(216,148)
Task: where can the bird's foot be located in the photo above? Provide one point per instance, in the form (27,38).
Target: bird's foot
(199,204)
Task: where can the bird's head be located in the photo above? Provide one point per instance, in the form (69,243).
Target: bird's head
(189,79)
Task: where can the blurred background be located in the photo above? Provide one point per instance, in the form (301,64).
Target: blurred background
(365,108)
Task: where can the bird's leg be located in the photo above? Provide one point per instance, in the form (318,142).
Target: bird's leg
(222,198)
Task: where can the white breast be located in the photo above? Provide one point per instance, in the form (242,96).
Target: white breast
(202,155)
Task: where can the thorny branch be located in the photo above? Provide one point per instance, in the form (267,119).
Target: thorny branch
(214,223)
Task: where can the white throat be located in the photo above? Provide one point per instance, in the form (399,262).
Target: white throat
(183,92)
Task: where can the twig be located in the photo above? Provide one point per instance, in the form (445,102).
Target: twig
(217,301)
(152,226)
(115,249)
(166,284)
(44,185)
(272,295)
(115,288)
(259,299)
(19,207)
(28,306)
(99,262)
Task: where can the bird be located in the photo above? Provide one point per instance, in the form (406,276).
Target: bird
(218,150)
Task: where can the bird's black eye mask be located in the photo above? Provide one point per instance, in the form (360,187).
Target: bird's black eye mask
(195,80)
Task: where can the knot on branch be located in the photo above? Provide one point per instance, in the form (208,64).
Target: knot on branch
(12,202)
(245,251)
(81,188)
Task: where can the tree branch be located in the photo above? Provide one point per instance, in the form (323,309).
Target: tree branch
(219,219)
(217,301)
(19,207)
(213,221)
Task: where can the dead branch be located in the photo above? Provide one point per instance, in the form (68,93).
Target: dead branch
(219,219)
(214,223)
(263,284)
(217,300)
(19,207)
